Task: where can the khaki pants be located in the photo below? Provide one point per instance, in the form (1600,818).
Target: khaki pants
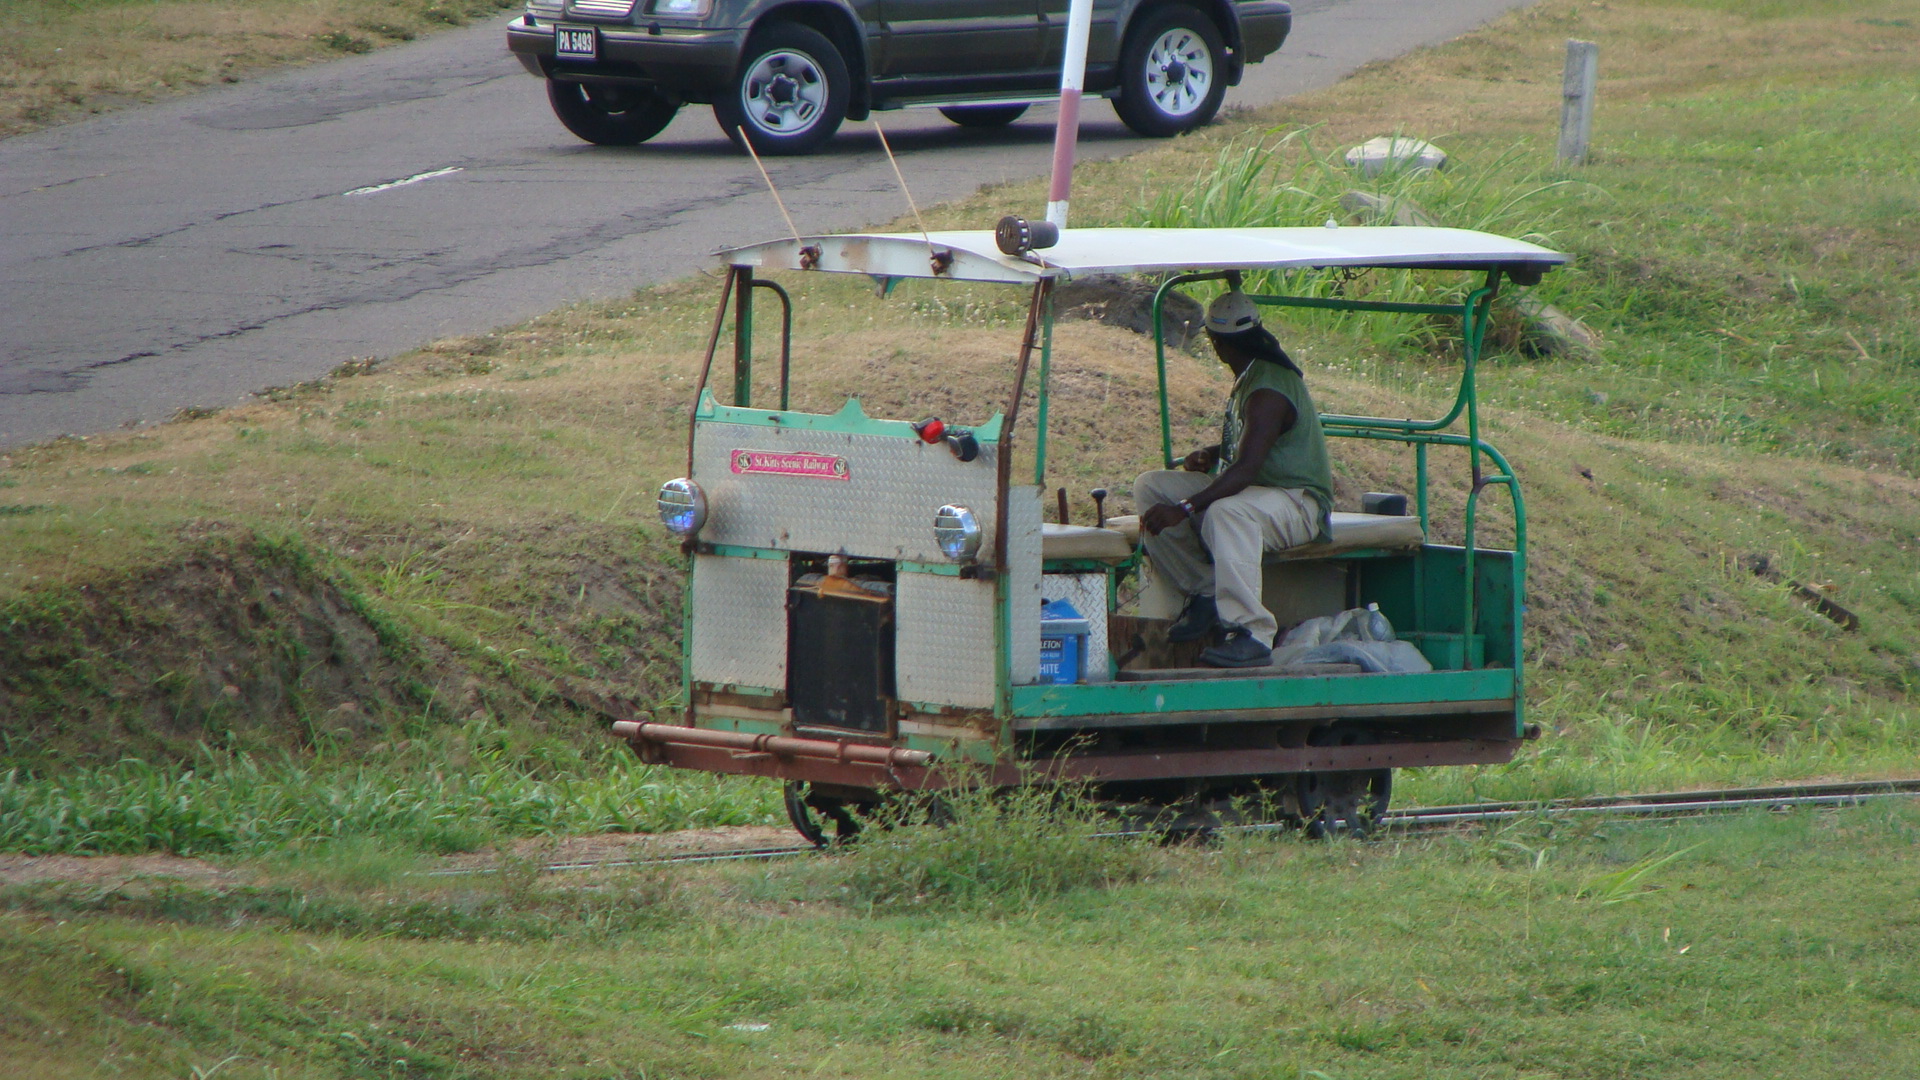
(1223,559)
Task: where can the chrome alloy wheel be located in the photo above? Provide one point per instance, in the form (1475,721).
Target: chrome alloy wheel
(785,93)
(1179,71)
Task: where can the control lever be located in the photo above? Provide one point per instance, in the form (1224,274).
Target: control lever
(1100,507)
(1062,496)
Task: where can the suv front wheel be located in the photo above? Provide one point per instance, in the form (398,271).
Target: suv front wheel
(1172,72)
(790,93)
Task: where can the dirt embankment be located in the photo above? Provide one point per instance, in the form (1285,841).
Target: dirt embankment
(237,638)
(240,640)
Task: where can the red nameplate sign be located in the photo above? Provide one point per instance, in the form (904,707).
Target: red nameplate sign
(786,463)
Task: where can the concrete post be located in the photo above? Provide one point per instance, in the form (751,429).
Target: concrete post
(1576,107)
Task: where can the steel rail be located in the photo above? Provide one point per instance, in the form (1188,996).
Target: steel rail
(1732,797)
(1410,820)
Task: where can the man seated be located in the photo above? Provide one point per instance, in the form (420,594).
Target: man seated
(1208,534)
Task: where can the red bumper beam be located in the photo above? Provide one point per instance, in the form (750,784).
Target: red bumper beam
(780,746)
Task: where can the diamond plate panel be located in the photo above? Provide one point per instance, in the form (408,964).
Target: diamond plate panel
(1023,581)
(1088,595)
(883,509)
(740,621)
(943,640)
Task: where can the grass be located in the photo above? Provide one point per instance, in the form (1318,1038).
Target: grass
(444,793)
(66,59)
(1731,947)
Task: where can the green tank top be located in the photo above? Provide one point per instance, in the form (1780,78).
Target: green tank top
(1299,457)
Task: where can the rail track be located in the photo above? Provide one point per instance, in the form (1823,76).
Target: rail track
(1426,819)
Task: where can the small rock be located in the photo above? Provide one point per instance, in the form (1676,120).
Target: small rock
(230,690)
(1379,155)
(1596,397)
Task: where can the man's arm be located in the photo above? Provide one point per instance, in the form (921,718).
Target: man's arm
(1269,415)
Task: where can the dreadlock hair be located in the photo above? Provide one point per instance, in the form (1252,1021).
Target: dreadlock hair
(1259,343)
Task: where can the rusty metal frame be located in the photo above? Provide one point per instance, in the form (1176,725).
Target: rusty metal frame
(856,765)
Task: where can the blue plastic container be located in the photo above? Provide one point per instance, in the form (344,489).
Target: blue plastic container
(1063,643)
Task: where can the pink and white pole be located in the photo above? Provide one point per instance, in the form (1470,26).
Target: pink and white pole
(1066,131)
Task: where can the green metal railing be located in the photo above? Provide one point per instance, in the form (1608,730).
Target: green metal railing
(1474,312)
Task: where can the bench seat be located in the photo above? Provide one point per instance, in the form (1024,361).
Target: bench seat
(1351,532)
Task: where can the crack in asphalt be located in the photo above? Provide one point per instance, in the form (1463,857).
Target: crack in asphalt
(453,276)
(144,241)
(311,109)
(224,215)
(55,184)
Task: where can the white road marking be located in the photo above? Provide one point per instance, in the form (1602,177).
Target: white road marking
(416,178)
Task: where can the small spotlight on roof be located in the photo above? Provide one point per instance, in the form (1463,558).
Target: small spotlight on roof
(1017,235)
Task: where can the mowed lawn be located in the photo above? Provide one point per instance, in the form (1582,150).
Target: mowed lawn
(1760,946)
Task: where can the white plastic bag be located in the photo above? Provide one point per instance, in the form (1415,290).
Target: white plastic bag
(1354,624)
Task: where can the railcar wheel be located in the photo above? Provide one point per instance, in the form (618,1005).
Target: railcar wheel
(1345,803)
(822,819)
(611,115)
(1352,803)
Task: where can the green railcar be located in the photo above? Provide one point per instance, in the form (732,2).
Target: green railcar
(864,608)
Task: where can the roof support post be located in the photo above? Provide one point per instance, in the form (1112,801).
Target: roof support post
(1037,311)
(743,337)
(706,366)
(786,338)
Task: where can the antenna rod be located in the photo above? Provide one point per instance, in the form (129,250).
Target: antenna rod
(1066,131)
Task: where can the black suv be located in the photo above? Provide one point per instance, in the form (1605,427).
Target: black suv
(783,74)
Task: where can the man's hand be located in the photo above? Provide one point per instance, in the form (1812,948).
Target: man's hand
(1202,460)
(1268,416)
(1161,516)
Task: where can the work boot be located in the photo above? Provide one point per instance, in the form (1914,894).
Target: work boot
(1241,649)
(1196,620)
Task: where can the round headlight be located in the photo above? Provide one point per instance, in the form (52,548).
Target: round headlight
(683,506)
(957,532)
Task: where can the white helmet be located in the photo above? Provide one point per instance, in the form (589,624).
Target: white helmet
(1232,313)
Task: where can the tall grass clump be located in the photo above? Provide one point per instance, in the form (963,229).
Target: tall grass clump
(242,805)
(1285,182)
(995,848)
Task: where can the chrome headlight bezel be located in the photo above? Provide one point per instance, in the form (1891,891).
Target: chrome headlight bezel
(680,9)
(957,532)
(682,506)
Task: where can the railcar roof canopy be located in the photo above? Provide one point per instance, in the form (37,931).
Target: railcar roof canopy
(974,256)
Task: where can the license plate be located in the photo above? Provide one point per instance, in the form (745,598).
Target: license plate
(576,43)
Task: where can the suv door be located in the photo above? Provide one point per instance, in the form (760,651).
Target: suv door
(959,37)
(1103,39)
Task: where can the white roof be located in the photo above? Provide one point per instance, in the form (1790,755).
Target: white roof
(973,256)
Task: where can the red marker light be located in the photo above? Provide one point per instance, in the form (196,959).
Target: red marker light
(931,430)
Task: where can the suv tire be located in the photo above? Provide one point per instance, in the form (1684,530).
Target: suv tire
(790,93)
(610,115)
(1172,72)
(983,116)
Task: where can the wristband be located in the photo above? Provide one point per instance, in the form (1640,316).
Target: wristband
(1186,508)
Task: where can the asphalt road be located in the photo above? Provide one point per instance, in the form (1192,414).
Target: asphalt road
(189,253)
